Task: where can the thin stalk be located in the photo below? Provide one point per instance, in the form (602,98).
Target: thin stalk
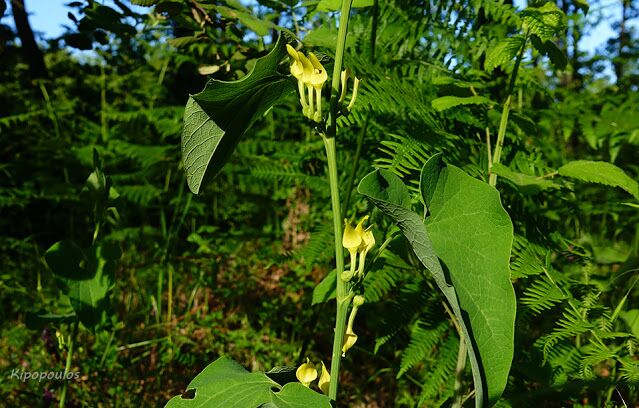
(343,300)
(351,177)
(374,29)
(158,315)
(52,114)
(103,105)
(107,348)
(362,132)
(337,68)
(67,367)
(503,123)
(459,373)
(170,296)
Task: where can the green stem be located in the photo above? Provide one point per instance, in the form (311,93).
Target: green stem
(107,348)
(52,114)
(351,177)
(103,105)
(612,388)
(160,282)
(337,68)
(67,367)
(459,373)
(170,296)
(343,299)
(503,123)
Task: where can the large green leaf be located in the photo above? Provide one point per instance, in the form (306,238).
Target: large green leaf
(546,21)
(326,289)
(504,52)
(526,183)
(86,279)
(334,5)
(472,235)
(470,232)
(389,194)
(449,101)
(216,118)
(550,49)
(225,383)
(600,172)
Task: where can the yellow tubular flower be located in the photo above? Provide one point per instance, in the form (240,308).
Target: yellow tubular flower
(368,242)
(306,373)
(344,81)
(296,65)
(307,74)
(297,71)
(354,97)
(350,338)
(325,380)
(318,79)
(360,228)
(351,240)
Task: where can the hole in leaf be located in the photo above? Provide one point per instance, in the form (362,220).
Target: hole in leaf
(189,394)
(275,389)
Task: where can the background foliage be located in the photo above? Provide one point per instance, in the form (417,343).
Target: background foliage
(232,270)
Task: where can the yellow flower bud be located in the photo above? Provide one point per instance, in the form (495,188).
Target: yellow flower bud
(297,70)
(325,380)
(296,66)
(306,373)
(349,340)
(368,239)
(351,238)
(354,97)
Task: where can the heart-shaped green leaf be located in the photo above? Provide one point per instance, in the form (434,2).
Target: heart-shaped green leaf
(471,233)
(216,118)
(86,279)
(225,383)
(390,194)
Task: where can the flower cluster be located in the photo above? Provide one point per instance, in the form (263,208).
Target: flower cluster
(306,374)
(310,74)
(358,241)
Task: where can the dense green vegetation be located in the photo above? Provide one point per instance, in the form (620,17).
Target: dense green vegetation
(496,161)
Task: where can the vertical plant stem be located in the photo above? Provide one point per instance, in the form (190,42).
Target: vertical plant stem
(342,298)
(103,104)
(501,134)
(337,68)
(462,356)
(169,310)
(67,367)
(503,123)
(107,348)
(374,29)
(351,177)
(52,114)
(329,143)
(158,316)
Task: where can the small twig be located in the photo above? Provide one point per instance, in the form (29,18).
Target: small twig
(201,10)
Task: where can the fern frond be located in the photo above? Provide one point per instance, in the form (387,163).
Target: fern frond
(438,381)
(319,248)
(542,295)
(571,324)
(528,259)
(423,340)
